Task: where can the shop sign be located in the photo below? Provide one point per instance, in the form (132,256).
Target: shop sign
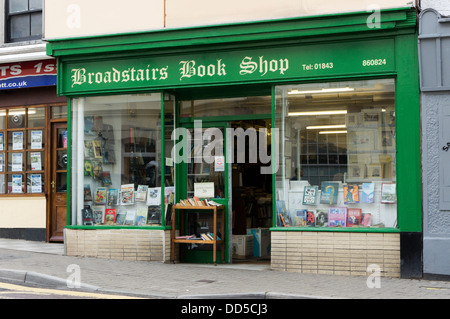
(250,66)
(27,74)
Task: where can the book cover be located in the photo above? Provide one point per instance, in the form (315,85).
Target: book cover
(300,216)
(120,217)
(154,196)
(321,217)
(87,192)
(329,193)
(87,217)
(130,218)
(97,149)
(367,219)
(354,216)
(113,197)
(141,193)
(106,179)
(141,216)
(388,193)
(110,216)
(127,194)
(310,195)
(98,213)
(100,196)
(88,168)
(351,194)
(367,193)
(337,216)
(310,219)
(154,215)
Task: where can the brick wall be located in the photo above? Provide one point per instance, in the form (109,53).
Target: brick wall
(123,244)
(335,252)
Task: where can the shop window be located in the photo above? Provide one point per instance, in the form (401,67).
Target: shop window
(22,150)
(116,166)
(23,20)
(337,159)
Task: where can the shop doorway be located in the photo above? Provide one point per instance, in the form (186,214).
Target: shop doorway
(251,193)
(239,185)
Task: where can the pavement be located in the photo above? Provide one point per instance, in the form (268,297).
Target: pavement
(39,263)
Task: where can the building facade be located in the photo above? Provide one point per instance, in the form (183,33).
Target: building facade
(301,121)
(29,111)
(434,30)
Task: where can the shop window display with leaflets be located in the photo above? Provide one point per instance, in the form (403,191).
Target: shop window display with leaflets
(119,160)
(337,158)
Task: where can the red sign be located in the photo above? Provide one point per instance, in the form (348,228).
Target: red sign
(27,74)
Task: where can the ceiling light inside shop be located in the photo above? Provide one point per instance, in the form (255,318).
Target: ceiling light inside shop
(333,90)
(332,132)
(317,113)
(324,127)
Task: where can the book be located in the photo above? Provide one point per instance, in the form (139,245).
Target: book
(98,213)
(367,219)
(87,216)
(88,168)
(351,194)
(106,178)
(282,213)
(337,216)
(354,216)
(141,193)
(110,216)
(310,195)
(113,197)
(120,217)
(321,218)
(310,219)
(367,193)
(154,196)
(300,216)
(154,215)
(130,218)
(87,192)
(329,193)
(388,193)
(100,196)
(127,194)
(141,216)
(97,149)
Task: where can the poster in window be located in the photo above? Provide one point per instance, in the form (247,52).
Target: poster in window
(16,184)
(17,141)
(36,183)
(2,162)
(36,164)
(1,141)
(17,162)
(36,139)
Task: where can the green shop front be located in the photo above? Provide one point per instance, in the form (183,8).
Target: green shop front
(306,130)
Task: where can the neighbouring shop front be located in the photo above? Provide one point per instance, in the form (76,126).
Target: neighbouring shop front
(308,134)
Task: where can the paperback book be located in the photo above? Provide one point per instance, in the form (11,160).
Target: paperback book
(329,193)
(354,216)
(367,193)
(300,216)
(388,193)
(110,216)
(337,216)
(321,218)
(100,196)
(310,195)
(141,216)
(351,194)
(127,194)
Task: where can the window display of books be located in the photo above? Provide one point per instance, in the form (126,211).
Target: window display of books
(125,205)
(334,205)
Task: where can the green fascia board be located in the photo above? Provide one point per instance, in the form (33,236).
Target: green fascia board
(237,33)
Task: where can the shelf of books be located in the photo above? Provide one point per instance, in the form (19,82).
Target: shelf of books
(337,205)
(213,238)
